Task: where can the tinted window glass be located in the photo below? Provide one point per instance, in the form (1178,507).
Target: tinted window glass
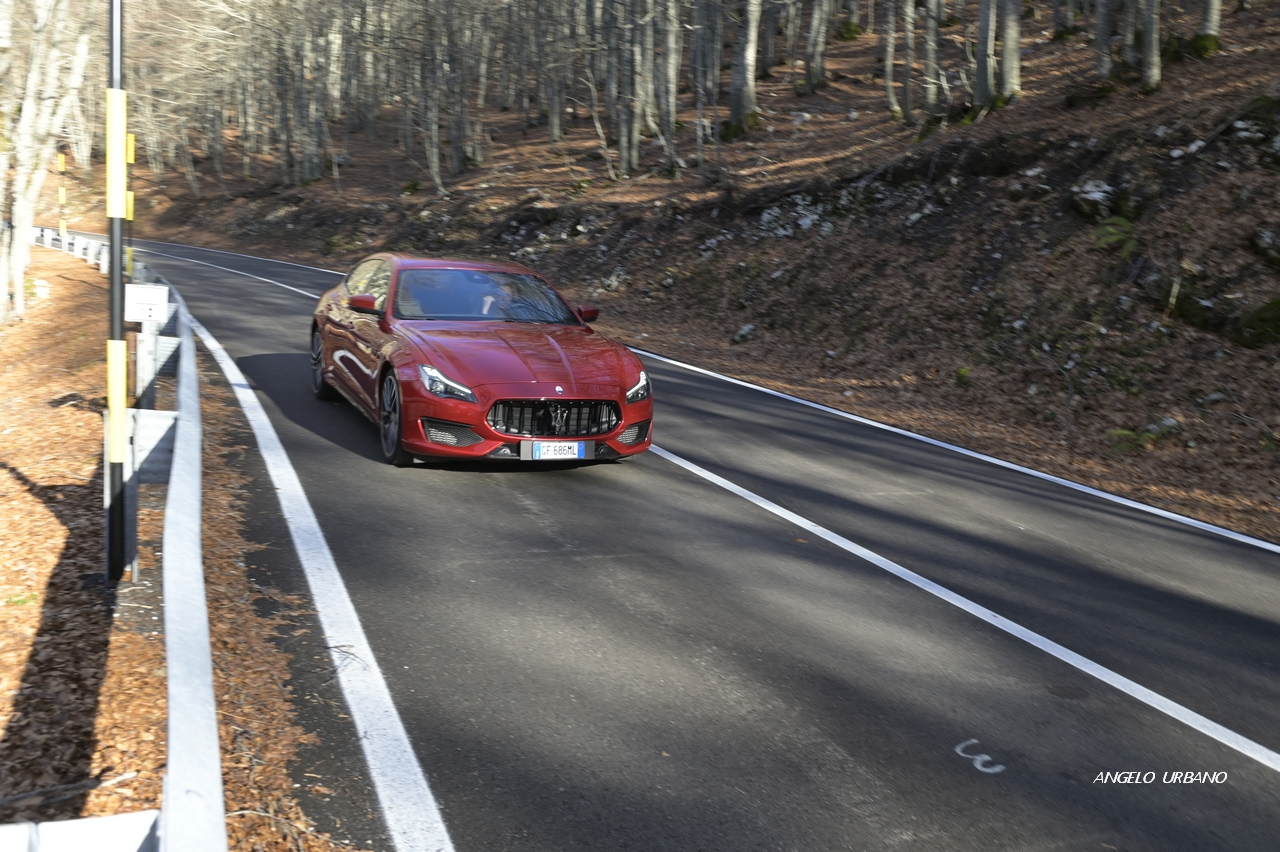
(378,283)
(358,280)
(468,294)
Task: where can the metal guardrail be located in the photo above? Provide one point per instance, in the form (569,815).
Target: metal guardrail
(165,446)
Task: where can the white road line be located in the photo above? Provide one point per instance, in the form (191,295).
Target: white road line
(220,251)
(412,815)
(1047,477)
(235,271)
(1206,726)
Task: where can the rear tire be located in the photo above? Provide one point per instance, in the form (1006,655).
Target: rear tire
(319,384)
(390,422)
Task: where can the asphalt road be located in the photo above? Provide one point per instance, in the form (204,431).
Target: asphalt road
(625,656)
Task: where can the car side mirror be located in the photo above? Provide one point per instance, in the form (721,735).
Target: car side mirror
(588,313)
(364,303)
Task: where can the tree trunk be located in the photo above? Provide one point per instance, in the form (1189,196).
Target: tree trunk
(793,36)
(984,84)
(767,56)
(815,72)
(1151,45)
(743,109)
(890,36)
(908,58)
(933,14)
(1102,38)
(1206,42)
(1010,48)
(1129,30)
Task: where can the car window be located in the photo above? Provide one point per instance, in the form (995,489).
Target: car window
(378,282)
(476,295)
(358,280)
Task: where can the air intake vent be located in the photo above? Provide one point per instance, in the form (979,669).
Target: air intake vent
(449,434)
(539,418)
(634,433)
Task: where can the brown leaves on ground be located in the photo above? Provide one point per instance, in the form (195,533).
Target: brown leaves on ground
(82,693)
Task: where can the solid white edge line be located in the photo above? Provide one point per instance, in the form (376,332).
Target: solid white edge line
(413,817)
(1206,726)
(219,251)
(1047,477)
(232,271)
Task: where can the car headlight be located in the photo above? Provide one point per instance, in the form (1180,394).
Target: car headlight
(439,384)
(640,391)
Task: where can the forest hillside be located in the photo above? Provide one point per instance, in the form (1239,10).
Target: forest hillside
(1081,275)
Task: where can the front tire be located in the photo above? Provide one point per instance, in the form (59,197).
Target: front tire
(390,422)
(319,384)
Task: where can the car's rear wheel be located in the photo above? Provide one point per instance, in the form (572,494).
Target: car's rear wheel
(319,384)
(389,425)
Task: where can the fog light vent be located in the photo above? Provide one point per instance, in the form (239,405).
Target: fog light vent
(634,434)
(449,434)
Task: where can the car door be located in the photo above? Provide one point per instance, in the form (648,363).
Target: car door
(368,335)
(348,367)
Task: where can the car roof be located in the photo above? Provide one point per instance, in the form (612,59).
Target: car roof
(404,260)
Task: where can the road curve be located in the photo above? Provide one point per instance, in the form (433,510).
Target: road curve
(626,656)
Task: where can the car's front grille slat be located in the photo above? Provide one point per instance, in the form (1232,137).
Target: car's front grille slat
(538,418)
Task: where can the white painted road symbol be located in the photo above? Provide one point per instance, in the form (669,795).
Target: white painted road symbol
(981,762)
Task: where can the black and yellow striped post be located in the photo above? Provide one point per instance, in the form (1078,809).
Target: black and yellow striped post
(117,349)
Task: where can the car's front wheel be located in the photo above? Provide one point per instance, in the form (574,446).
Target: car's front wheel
(389,425)
(319,384)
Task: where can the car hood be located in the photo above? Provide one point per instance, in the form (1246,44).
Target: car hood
(507,353)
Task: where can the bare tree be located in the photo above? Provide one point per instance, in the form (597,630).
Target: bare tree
(908,58)
(932,18)
(1102,37)
(890,36)
(815,49)
(743,109)
(1206,42)
(35,104)
(1151,45)
(1010,47)
(984,84)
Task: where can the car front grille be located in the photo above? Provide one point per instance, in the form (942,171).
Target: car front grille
(561,419)
(634,434)
(449,434)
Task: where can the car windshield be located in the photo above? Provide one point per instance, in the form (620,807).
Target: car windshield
(474,295)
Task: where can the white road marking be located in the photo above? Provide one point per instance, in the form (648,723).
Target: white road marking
(981,762)
(220,251)
(412,815)
(1206,726)
(1047,477)
(233,271)
(1188,717)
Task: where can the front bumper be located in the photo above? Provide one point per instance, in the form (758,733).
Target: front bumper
(447,428)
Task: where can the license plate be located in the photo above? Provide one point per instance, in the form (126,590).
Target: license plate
(546,450)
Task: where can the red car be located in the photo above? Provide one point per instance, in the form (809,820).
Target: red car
(467,359)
